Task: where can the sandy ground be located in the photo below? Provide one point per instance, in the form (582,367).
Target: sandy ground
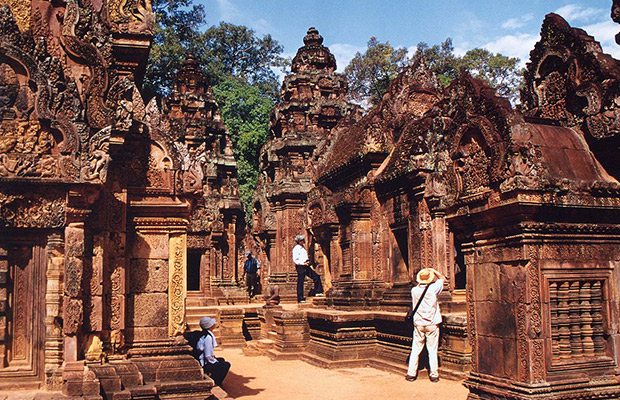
(260,378)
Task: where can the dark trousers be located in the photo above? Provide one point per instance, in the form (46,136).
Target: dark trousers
(302,272)
(251,281)
(217,371)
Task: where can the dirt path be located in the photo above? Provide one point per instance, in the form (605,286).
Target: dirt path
(259,378)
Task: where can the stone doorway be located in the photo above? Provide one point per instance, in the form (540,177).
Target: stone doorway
(22,293)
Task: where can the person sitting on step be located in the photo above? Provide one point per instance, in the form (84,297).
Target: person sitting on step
(216,368)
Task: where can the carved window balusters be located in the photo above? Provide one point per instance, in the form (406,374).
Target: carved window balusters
(576,308)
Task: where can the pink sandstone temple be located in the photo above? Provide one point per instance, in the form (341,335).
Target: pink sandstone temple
(121,223)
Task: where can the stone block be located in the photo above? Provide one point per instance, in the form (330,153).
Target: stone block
(145,334)
(129,374)
(491,356)
(512,283)
(496,319)
(487,286)
(147,245)
(148,276)
(74,241)
(95,316)
(148,309)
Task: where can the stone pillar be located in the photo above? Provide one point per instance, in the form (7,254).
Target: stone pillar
(148,304)
(177,291)
(53,316)
(4,273)
(116,287)
(439,241)
(94,300)
(361,247)
(335,253)
(73,303)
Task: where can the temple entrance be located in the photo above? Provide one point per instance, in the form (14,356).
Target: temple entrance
(193,270)
(21,354)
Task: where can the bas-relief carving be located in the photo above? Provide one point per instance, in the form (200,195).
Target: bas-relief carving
(177,284)
(21,10)
(22,209)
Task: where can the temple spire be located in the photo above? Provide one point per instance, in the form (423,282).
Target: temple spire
(313,55)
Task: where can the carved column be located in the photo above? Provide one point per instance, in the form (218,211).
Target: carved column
(148,279)
(4,272)
(73,303)
(53,315)
(177,291)
(361,245)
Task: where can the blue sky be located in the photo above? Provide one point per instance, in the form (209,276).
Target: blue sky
(507,27)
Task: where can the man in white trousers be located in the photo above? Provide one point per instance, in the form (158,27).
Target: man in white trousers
(426,321)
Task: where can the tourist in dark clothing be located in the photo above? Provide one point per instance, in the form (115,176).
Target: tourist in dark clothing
(250,271)
(216,368)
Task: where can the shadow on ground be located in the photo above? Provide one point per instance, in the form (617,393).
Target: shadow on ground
(235,386)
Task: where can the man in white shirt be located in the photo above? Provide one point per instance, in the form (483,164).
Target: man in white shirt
(426,320)
(302,265)
(216,368)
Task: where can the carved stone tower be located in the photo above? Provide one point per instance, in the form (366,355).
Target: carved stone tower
(313,102)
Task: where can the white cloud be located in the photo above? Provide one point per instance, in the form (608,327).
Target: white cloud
(516,23)
(604,33)
(514,46)
(344,53)
(575,12)
(230,13)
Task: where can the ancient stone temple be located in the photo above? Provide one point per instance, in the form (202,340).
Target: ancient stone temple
(519,209)
(118,219)
(313,102)
(108,207)
(191,126)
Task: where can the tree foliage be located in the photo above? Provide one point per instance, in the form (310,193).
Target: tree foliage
(240,68)
(499,71)
(177,31)
(370,74)
(234,50)
(440,59)
(245,108)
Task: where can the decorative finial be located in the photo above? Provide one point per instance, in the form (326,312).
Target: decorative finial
(313,38)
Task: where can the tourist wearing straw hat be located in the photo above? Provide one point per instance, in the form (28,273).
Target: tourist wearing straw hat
(426,318)
(216,368)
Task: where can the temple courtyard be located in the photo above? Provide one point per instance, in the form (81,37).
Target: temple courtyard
(260,378)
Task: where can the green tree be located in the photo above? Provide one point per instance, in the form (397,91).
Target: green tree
(176,32)
(234,50)
(440,59)
(245,109)
(499,71)
(370,74)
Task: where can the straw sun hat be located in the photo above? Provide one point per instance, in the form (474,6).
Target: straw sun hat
(425,276)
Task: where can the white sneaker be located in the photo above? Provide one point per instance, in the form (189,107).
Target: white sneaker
(319,295)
